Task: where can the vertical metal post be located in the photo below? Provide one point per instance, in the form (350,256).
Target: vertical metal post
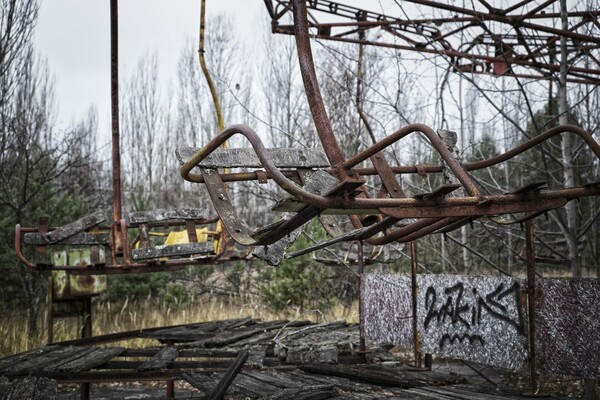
(86,332)
(170,389)
(49,314)
(311,86)
(361,271)
(529,244)
(413,280)
(116,149)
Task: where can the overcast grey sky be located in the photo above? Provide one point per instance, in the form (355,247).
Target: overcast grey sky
(74,37)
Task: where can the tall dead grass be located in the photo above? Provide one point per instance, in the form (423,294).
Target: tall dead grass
(148,313)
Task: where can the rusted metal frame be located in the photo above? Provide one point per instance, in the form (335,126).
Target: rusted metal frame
(442,38)
(361,234)
(516,6)
(530,246)
(413,289)
(535,10)
(347,11)
(325,203)
(495,205)
(116,151)
(311,88)
(499,17)
(458,54)
(554,38)
(362,171)
(321,202)
(459,171)
(477,18)
(406,38)
(19,250)
(241,233)
(361,287)
(285,183)
(432,227)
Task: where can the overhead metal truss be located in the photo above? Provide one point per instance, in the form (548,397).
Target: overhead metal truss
(381,216)
(522,40)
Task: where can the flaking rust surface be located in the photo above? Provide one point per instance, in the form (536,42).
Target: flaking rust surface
(567,322)
(480,319)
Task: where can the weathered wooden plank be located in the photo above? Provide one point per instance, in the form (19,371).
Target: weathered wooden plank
(193,331)
(232,337)
(83,238)
(248,386)
(8,362)
(30,388)
(201,382)
(308,379)
(247,158)
(178,250)
(219,391)
(38,364)
(318,182)
(161,359)
(96,358)
(307,393)
(451,393)
(315,353)
(381,376)
(71,229)
(281,379)
(170,214)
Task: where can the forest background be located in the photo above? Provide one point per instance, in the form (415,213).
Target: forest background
(64,173)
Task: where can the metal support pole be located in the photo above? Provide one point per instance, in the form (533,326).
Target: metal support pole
(529,244)
(49,314)
(413,279)
(86,332)
(116,150)
(170,389)
(361,271)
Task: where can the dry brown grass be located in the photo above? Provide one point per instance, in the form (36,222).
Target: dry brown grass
(131,315)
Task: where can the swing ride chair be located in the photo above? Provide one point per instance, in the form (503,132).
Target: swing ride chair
(317,188)
(319,183)
(155,240)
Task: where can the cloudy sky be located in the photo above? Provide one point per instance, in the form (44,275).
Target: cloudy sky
(74,37)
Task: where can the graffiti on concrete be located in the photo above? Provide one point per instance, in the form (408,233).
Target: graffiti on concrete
(473,318)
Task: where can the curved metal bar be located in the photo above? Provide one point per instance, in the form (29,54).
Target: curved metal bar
(286,184)
(311,87)
(247,176)
(582,133)
(369,203)
(19,250)
(461,173)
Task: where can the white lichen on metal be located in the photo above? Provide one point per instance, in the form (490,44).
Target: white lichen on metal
(480,319)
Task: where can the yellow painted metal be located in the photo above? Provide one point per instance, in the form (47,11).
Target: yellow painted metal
(67,286)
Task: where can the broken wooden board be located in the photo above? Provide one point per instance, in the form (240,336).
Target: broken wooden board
(87,222)
(178,250)
(83,238)
(170,214)
(247,158)
(29,388)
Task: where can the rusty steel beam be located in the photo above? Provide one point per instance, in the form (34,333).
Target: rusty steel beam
(426,35)
(116,149)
